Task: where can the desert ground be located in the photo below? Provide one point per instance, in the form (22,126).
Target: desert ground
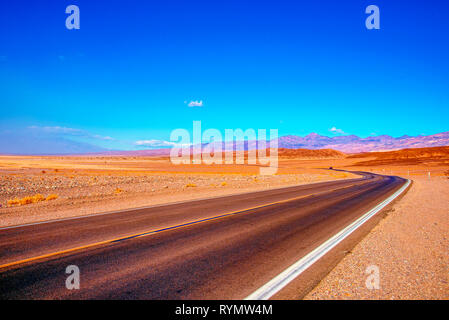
(410,246)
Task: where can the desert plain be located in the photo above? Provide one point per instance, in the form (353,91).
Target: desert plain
(410,245)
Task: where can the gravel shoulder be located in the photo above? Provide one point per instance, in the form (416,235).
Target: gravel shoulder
(410,247)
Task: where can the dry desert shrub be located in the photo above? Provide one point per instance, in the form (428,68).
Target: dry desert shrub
(27,200)
(190,185)
(51,197)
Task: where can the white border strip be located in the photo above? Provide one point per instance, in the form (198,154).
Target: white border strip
(280,281)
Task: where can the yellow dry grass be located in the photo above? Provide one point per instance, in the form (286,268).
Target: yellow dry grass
(51,197)
(27,200)
(190,185)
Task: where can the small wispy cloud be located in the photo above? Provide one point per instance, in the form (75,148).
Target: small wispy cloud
(335,130)
(57,129)
(155,143)
(195,103)
(106,138)
(65,131)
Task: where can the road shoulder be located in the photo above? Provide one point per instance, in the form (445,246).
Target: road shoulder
(409,249)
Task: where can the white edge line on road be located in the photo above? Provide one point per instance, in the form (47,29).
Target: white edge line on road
(284,278)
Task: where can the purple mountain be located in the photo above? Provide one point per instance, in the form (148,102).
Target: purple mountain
(355,144)
(347,144)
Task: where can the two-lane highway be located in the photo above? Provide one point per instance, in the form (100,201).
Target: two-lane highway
(220,248)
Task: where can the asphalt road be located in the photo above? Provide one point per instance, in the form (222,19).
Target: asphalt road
(219,248)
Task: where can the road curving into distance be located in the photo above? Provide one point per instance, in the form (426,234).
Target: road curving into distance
(218,248)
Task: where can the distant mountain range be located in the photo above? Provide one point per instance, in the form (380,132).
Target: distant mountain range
(355,144)
(30,144)
(314,141)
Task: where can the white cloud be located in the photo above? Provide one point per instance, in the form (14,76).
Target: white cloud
(155,143)
(62,130)
(65,131)
(106,138)
(334,130)
(160,144)
(195,103)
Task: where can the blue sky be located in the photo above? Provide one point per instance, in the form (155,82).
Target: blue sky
(130,71)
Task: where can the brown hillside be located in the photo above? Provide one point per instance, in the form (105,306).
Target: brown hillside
(406,156)
(311,154)
(300,154)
